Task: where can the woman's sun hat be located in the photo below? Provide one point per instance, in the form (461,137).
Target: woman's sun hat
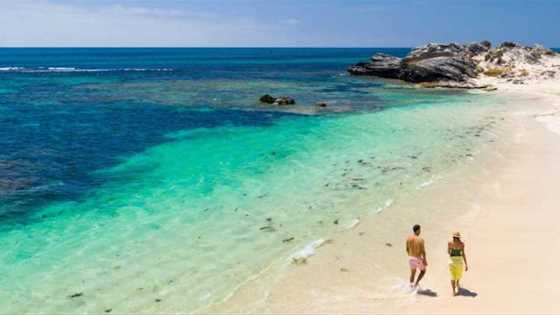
(457,235)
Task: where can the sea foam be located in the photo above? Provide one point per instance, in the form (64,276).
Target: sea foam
(426,184)
(388,203)
(300,257)
(354,223)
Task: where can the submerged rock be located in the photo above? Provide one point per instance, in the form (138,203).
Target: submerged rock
(75,295)
(267,228)
(282,100)
(289,239)
(267,99)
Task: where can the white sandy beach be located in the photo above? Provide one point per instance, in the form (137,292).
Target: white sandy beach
(505,203)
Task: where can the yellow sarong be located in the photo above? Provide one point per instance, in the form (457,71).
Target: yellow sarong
(456,267)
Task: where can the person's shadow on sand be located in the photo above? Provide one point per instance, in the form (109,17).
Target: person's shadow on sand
(467,293)
(427,292)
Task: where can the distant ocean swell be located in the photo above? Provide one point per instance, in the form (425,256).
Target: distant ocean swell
(73,69)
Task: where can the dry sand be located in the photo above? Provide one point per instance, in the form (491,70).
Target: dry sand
(506,203)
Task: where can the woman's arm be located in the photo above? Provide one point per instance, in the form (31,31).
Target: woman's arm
(465,259)
(449,249)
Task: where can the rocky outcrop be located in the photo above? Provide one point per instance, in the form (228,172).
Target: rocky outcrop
(479,48)
(381,65)
(453,64)
(509,54)
(429,69)
(518,64)
(432,62)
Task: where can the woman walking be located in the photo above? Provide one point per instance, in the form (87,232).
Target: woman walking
(458,261)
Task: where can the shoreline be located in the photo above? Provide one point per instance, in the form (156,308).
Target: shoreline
(345,276)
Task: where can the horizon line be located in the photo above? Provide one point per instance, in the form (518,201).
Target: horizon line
(204,47)
(217,47)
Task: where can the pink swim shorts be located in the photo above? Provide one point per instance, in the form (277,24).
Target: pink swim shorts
(416,263)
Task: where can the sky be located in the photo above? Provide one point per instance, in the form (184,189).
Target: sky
(275,23)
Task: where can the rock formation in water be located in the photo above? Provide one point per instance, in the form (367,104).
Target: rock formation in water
(457,65)
(282,100)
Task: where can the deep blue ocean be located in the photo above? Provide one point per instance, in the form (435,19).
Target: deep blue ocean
(65,113)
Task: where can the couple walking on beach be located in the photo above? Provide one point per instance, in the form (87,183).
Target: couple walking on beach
(416,251)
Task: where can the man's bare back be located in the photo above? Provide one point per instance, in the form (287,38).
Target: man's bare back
(415,246)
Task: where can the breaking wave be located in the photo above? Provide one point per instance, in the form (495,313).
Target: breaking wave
(74,69)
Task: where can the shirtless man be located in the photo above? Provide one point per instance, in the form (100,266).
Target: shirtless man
(417,255)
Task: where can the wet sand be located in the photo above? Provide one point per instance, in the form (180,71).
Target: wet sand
(505,203)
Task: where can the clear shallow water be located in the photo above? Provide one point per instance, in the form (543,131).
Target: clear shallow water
(152,181)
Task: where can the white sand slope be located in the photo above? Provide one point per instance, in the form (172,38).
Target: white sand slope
(514,240)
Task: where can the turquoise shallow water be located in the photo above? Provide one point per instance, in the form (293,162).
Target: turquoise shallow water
(153,188)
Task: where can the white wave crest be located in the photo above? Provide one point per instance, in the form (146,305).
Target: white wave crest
(7,69)
(74,69)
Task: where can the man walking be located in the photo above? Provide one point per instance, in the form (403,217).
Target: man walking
(417,255)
